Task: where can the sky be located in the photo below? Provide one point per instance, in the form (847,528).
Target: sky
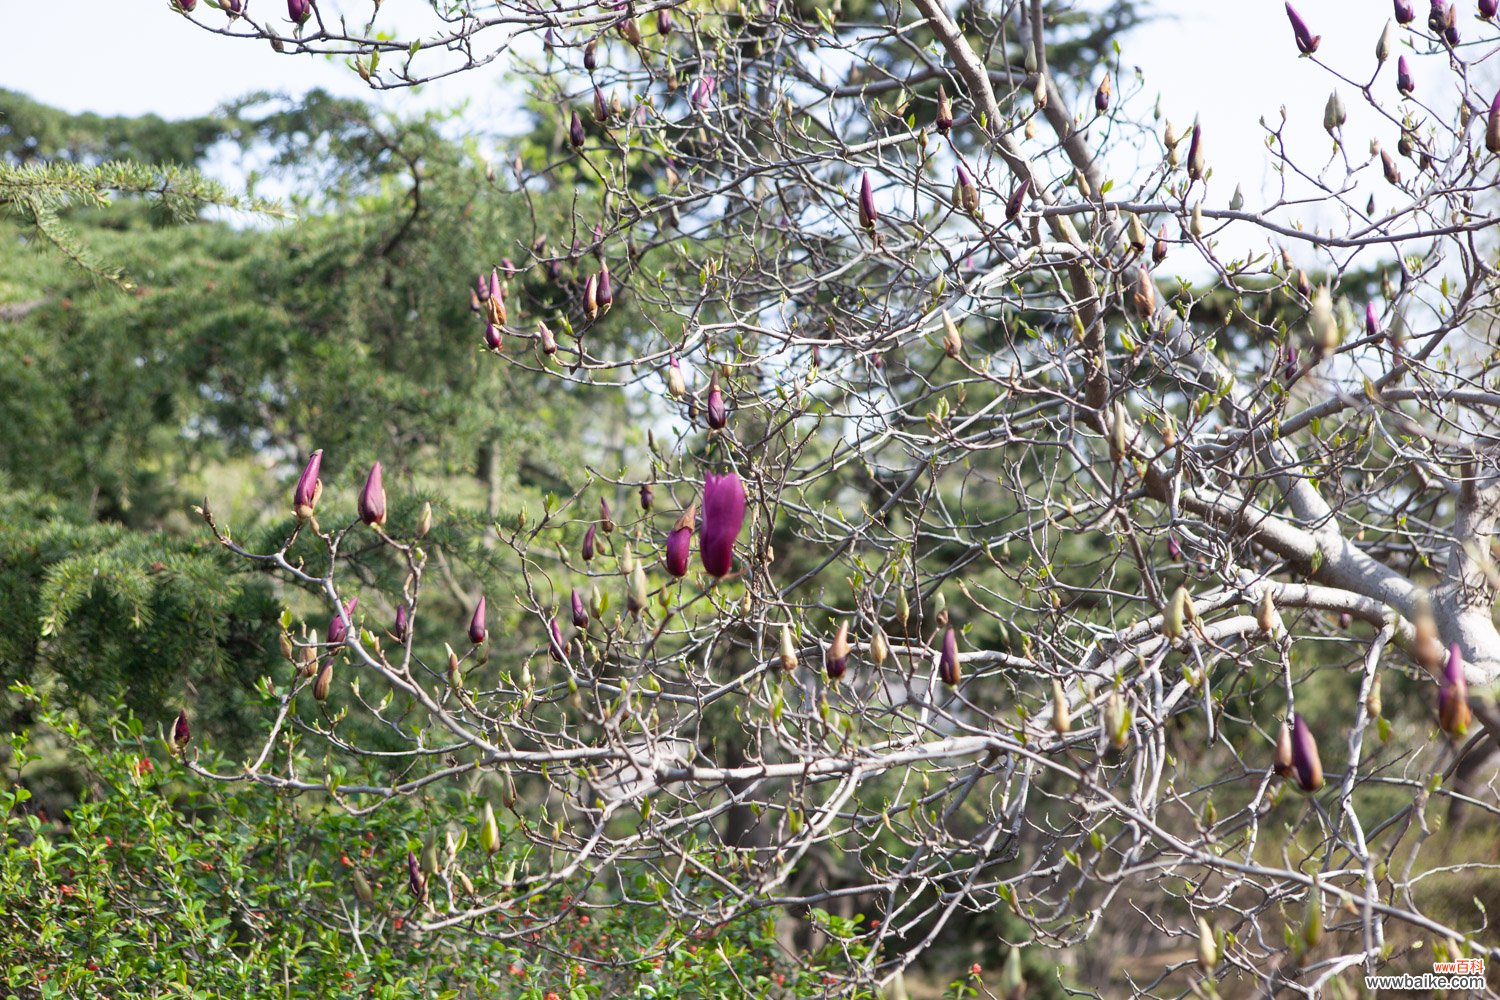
(1226,63)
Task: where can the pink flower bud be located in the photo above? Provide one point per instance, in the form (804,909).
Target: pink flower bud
(868,216)
(718,415)
(309,487)
(478,626)
(576,135)
(1305,759)
(1454,714)
(680,542)
(579,611)
(338,625)
(401,628)
(948,668)
(587,551)
(372,499)
(181,732)
(723,517)
(1307,42)
(299,10)
(1404,82)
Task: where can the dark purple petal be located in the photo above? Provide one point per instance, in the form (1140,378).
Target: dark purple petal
(580,613)
(1404,81)
(868,216)
(588,543)
(402,626)
(679,548)
(182,733)
(1406,11)
(299,10)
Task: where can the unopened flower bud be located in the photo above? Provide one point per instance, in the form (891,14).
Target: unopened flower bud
(1454,714)
(948,666)
(324,681)
(1305,760)
(788,648)
(868,216)
(836,659)
(372,499)
(944,119)
(1307,42)
(182,733)
(576,135)
(309,487)
(478,624)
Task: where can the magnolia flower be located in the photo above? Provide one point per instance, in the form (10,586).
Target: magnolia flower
(680,542)
(1454,714)
(1305,760)
(718,416)
(587,550)
(1404,82)
(1405,11)
(478,627)
(868,216)
(944,120)
(948,668)
(836,659)
(372,499)
(579,611)
(1307,42)
(723,517)
(182,733)
(299,10)
(338,625)
(1017,198)
(309,487)
(556,647)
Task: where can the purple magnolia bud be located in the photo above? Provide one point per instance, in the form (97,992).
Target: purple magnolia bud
(591,55)
(601,110)
(944,120)
(1488,8)
(1454,714)
(604,291)
(1307,42)
(549,341)
(1372,321)
(867,214)
(1017,198)
(557,648)
(1195,164)
(703,92)
(495,304)
(493,338)
(338,625)
(508,268)
(723,517)
(1437,17)
(587,551)
(664,21)
(1450,27)
(309,487)
(1173,549)
(1305,761)
(718,416)
(415,880)
(402,627)
(372,499)
(948,661)
(478,626)
(1290,366)
(576,134)
(680,542)
(182,734)
(605,521)
(186,6)
(1406,11)
(836,660)
(482,288)
(579,611)
(965,191)
(234,8)
(549,40)
(648,497)
(1404,81)
(1101,96)
(299,10)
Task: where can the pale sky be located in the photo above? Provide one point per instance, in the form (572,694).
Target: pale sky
(1227,62)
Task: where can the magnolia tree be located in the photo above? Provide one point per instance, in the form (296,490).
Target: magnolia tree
(999,534)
